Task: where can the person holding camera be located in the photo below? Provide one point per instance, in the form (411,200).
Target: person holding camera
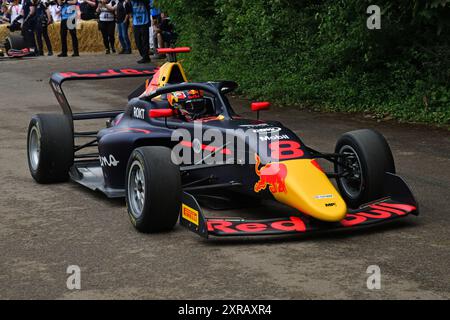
(106,24)
(68,24)
(88,9)
(43,19)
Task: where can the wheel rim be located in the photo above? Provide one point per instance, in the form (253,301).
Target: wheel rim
(136,189)
(34,148)
(353,182)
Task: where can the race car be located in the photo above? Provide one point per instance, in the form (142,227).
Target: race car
(14,47)
(178,150)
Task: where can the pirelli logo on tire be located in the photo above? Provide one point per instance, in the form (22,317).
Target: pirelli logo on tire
(189,214)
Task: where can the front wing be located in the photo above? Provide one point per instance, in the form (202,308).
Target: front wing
(398,205)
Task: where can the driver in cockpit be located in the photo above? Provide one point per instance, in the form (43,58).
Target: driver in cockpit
(190,104)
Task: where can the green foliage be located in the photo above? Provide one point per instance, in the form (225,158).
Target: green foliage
(320,53)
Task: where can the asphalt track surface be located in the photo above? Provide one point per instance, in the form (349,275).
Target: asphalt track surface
(46,228)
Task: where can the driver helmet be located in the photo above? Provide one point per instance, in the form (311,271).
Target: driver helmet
(190,103)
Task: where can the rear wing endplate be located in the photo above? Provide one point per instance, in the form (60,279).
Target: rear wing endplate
(57,79)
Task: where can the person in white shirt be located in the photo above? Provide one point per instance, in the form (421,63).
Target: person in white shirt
(106,23)
(14,11)
(55,11)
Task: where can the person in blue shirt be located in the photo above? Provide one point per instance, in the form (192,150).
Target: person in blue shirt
(155,11)
(68,24)
(140,10)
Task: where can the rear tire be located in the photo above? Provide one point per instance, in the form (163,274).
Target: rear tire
(15,41)
(153,189)
(50,148)
(370,156)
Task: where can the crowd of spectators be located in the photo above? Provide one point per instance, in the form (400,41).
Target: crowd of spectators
(152,28)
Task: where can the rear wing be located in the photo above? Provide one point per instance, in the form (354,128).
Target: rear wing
(57,79)
(56,82)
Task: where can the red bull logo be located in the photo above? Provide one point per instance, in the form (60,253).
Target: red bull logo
(174,97)
(195,94)
(272,175)
(178,96)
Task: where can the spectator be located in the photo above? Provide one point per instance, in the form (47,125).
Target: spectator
(4,15)
(68,24)
(106,24)
(155,19)
(141,24)
(43,18)
(88,9)
(123,22)
(165,32)
(55,11)
(29,22)
(14,11)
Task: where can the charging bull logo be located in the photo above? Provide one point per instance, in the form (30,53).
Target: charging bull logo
(272,175)
(177,96)
(195,94)
(174,97)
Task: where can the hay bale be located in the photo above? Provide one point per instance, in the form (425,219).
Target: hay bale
(3,32)
(89,37)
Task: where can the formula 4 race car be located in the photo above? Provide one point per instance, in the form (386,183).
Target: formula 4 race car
(159,154)
(14,47)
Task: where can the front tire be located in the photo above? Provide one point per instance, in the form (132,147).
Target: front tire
(153,189)
(369,157)
(50,148)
